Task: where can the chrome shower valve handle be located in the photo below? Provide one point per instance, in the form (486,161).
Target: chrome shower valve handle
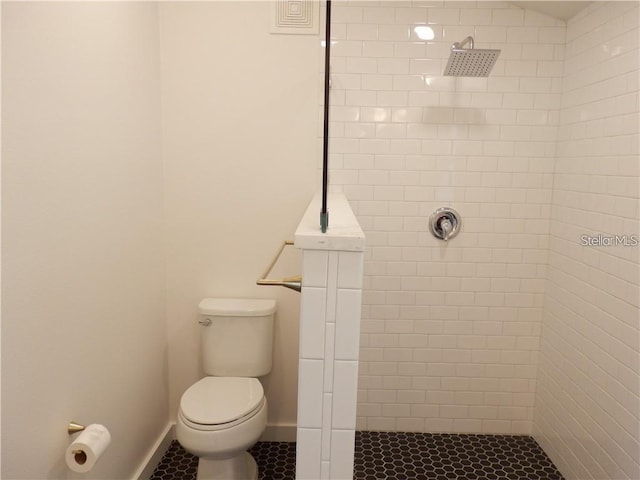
(445,223)
(446,227)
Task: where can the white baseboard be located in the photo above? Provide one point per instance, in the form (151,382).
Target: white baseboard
(155,454)
(279,433)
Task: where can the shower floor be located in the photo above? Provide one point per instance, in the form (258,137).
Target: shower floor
(396,455)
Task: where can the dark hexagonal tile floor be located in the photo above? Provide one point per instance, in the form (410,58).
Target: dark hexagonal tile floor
(401,456)
(397,455)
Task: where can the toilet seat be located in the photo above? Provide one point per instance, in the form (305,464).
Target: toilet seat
(215,403)
(221,426)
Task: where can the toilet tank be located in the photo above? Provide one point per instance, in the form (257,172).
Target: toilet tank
(237,336)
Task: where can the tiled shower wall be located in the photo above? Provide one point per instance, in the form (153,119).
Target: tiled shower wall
(588,382)
(450,331)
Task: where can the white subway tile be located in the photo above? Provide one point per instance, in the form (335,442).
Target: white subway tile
(329,349)
(375,114)
(345,393)
(497,426)
(308,453)
(346,48)
(376,83)
(361,31)
(442,425)
(360,98)
(536,51)
(343,13)
(475,16)
(426,66)
(554,35)
(524,68)
(310,381)
(350,267)
(411,15)
(409,425)
(392,99)
(314,268)
(398,66)
(528,34)
(325,470)
(327,415)
(455,33)
(490,34)
(378,15)
(444,16)
(409,50)
(342,453)
(377,146)
(347,324)
(312,322)
(391,130)
(357,130)
(394,32)
(510,16)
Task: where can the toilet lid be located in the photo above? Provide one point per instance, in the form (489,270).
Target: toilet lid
(215,400)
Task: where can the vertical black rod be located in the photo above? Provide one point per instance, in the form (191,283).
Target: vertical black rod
(324,215)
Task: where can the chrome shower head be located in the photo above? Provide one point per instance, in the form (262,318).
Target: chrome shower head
(470,62)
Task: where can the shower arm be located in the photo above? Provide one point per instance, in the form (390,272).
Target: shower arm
(459,45)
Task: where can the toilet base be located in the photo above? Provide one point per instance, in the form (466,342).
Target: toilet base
(242,467)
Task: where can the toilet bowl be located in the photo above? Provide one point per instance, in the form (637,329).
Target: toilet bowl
(220,418)
(225,413)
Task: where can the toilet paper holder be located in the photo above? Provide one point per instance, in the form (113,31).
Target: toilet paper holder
(86,449)
(74,427)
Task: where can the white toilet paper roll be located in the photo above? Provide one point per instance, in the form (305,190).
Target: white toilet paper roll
(83,453)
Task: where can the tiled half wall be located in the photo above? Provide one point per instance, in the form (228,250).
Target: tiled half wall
(332,270)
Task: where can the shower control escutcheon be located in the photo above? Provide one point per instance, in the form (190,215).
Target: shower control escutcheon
(445,223)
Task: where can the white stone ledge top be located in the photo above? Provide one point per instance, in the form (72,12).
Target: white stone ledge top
(344,232)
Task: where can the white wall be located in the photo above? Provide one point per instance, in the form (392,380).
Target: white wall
(83,331)
(587,400)
(450,330)
(240,113)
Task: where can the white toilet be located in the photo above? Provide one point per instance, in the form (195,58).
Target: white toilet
(225,413)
